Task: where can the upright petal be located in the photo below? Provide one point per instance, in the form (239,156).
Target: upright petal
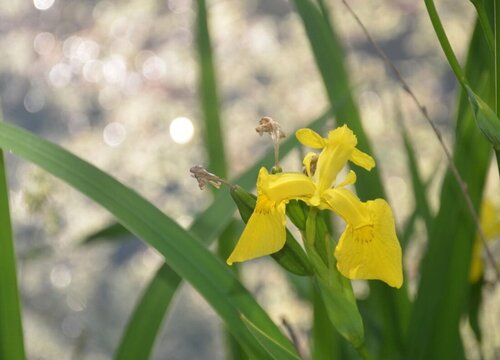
(372,251)
(333,158)
(362,159)
(310,138)
(264,233)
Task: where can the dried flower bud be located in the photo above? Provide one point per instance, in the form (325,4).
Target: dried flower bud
(271,127)
(203,177)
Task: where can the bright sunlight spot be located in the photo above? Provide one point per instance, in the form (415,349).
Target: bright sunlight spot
(181,130)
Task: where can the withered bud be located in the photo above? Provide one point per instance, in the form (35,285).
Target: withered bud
(313,162)
(271,127)
(203,177)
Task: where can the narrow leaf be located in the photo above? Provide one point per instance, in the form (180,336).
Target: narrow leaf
(276,350)
(11,331)
(182,252)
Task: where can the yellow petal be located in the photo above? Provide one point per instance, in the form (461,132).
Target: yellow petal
(264,233)
(349,179)
(344,203)
(362,159)
(284,186)
(372,251)
(310,138)
(333,158)
(477,264)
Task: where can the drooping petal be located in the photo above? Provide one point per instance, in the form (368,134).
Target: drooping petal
(372,251)
(264,233)
(362,159)
(310,138)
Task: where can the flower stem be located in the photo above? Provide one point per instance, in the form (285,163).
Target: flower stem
(445,43)
(496,19)
(365,355)
(485,24)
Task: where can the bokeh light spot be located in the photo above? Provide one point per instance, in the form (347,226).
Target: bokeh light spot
(181,130)
(43,4)
(114,134)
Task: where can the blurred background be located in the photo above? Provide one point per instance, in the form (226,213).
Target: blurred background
(116,82)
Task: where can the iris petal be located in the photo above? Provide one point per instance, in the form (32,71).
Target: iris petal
(264,233)
(310,138)
(372,251)
(362,159)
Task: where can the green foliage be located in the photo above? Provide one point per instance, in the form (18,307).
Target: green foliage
(385,325)
(11,332)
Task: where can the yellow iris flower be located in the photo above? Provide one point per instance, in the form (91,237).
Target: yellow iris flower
(368,248)
(265,231)
(490,223)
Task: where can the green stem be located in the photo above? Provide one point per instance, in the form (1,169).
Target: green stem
(365,355)
(497,153)
(485,24)
(445,43)
(496,19)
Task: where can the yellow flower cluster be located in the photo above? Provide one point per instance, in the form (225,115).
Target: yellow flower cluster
(368,248)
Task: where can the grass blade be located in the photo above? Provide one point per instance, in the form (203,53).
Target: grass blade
(157,296)
(11,331)
(209,96)
(329,57)
(277,351)
(206,227)
(181,251)
(444,287)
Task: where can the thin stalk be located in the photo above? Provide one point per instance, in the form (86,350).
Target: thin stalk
(496,19)
(437,132)
(365,355)
(485,24)
(445,43)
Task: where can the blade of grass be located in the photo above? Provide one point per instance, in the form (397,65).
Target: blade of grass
(419,189)
(209,96)
(276,350)
(11,330)
(159,294)
(329,56)
(444,288)
(181,250)
(206,227)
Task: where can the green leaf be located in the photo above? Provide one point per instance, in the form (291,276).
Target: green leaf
(444,287)
(113,231)
(486,119)
(181,250)
(11,330)
(209,96)
(329,56)
(206,227)
(418,186)
(276,350)
(138,344)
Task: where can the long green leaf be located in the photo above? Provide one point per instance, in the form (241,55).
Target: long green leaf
(277,351)
(209,96)
(11,331)
(206,227)
(329,56)
(181,250)
(160,292)
(444,286)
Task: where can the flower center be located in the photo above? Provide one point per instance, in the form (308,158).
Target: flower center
(364,234)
